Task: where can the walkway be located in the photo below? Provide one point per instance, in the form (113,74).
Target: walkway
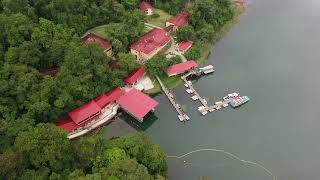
(181,114)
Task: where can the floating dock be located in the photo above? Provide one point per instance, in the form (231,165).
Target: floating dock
(205,108)
(181,114)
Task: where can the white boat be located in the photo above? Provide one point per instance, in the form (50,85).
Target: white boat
(186,117)
(207,69)
(194,98)
(211,109)
(180,118)
(186,85)
(204,112)
(219,102)
(230,96)
(189,91)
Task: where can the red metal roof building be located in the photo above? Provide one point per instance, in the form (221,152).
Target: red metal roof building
(179,20)
(68,125)
(106,45)
(134,76)
(150,44)
(137,104)
(146,8)
(185,45)
(88,112)
(181,68)
(85,112)
(111,96)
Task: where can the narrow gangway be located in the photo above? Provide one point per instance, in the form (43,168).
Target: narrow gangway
(181,114)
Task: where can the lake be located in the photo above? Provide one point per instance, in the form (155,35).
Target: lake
(272,55)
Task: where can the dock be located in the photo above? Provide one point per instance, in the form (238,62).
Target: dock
(205,108)
(181,114)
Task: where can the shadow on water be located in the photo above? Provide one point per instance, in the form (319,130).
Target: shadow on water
(149,119)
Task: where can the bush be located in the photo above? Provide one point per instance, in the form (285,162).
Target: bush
(155,15)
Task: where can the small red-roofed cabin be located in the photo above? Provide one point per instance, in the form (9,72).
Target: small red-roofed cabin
(106,45)
(181,68)
(137,104)
(85,113)
(109,97)
(184,46)
(179,20)
(146,8)
(134,76)
(150,44)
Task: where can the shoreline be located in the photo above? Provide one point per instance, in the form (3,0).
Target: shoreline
(174,82)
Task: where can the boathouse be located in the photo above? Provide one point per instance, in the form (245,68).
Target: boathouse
(106,45)
(178,21)
(181,68)
(137,104)
(150,44)
(184,46)
(146,8)
(102,108)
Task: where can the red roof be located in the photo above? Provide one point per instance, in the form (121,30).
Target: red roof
(180,19)
(89,38)
(68,125)
(185,45)
(145,6)
(181,67)
(85,111)
(150,41)
(112,95)
(134,76)
(137,103)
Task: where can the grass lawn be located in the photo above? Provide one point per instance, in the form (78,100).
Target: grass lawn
(161,20)
(169,82)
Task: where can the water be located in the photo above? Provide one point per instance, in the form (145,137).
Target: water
(272,55)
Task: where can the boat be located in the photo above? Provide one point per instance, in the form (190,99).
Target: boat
(207,69)
(181,118)
(186,117)
(236,102)
(189,91)
(230,96)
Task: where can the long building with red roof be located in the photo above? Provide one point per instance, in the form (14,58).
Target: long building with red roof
(90,112)
(106,45)
(179,20)
(150,44)
(180,68)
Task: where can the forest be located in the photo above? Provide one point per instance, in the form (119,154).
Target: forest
(41,35)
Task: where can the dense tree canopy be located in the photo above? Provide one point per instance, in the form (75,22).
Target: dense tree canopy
(156,65)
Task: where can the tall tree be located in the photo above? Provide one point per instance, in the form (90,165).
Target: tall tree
(45,146)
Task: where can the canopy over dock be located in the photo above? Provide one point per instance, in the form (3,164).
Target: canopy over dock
(137,104)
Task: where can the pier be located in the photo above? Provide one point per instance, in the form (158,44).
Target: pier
(181,114)
(205,108)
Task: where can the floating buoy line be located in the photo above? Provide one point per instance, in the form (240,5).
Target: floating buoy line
(229,154)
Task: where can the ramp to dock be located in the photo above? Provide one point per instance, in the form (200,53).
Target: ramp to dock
(181,114)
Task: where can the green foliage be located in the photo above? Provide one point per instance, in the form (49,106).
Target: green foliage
(213,12)
(11,164)
(185,33)
(172,7)
(155,159)
(205,32)
(194,52)
(155,15)
(45,146)
(156,65)
(175,60)
(18,29)
(127,62)
(127,170)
